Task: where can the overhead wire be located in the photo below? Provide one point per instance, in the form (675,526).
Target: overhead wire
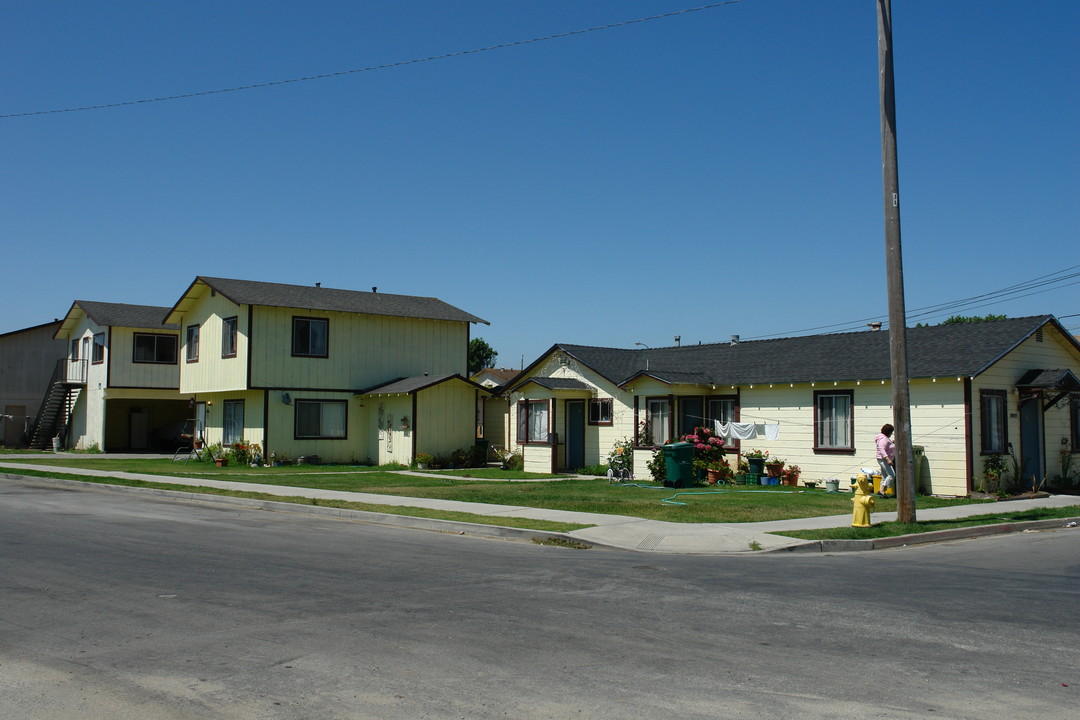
(372,68)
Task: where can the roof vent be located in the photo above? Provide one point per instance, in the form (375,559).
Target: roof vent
(876,325)
(734,339)
(678,340)
(374,289)
(318,284)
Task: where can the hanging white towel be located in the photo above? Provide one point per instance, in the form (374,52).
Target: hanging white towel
(721,429)
(744,431)
(772,431)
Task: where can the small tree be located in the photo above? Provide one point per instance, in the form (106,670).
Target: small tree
(481,356)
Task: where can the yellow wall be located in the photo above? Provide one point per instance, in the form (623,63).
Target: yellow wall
(213,373)
(124,372)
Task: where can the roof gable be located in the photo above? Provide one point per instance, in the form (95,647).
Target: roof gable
(104,314)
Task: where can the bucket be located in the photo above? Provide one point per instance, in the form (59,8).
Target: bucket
(832,485)
(56,444)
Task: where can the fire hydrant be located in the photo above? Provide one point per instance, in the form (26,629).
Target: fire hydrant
(864,502)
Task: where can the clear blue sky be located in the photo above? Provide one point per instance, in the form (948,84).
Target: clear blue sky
(708,174)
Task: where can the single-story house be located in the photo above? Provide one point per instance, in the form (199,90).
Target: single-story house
(976,389)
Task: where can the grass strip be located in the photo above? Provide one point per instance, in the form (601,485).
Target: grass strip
(893,529)
(501,521)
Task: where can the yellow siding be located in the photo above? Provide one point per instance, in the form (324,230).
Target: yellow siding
(213,373)
(363,350)
(448,421)
(124,372)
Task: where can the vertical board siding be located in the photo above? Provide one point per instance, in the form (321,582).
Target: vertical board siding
(447,413)
(125,372)
(213,373)
(363,350)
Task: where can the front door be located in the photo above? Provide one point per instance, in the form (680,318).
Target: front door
(575,434)
(139,420)
(1032,468)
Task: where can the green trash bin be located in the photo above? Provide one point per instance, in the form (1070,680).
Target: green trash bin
(679,464)
(919,453)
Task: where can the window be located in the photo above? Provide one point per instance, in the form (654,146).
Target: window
(228,337)
(600,411)
(192,343)
(992,415)
(691,414)
(75,349)
(155,349)
(320,418)
(99,348)
(309,337)
(656,427)
(723,410)
(532,421)
(834,422)
(232,421)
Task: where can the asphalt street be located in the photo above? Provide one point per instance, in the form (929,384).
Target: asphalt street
(121,606)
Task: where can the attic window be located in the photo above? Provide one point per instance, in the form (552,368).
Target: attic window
(564,360)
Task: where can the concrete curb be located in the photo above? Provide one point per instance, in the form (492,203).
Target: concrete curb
(927,537)
(450,527)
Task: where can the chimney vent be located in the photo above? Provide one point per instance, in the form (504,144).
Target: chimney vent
(876,325)
(319,284)
(678,340)
(374,289)
(734,339)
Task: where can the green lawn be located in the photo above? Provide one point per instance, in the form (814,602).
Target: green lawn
(595,495)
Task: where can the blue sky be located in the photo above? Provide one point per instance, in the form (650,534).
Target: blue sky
(712,173)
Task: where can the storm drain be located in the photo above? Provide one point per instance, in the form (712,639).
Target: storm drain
(651,542)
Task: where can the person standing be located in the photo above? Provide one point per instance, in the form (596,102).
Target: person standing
(886,457)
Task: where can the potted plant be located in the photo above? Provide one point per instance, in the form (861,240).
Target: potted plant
(774,467)
(423,460)
(790,475)
(718,471)
(755,460)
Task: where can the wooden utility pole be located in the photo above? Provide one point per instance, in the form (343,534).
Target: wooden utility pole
(894,267)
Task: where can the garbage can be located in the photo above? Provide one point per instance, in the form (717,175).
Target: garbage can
(679,464)
(919,458)
(482,450)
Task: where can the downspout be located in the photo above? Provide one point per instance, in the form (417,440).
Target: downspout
(969,454)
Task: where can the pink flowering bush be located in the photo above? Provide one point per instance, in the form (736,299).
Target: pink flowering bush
(708,447)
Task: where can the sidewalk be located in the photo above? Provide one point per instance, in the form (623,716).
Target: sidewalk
(616,531)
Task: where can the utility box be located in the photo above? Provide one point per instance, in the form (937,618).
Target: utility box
(679,464)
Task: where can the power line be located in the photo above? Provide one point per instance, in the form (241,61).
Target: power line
(371,68)
(1035,286)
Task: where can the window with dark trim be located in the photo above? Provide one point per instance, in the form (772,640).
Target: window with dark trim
(691,414)
(310,337)
(834,421)
(321,419)
(232,421)
(600,411)
(655,429)
(228,337)
(722,409)
(532,421)
(993,418)
(75,349)
(99,349)
(192,343)
(153,348)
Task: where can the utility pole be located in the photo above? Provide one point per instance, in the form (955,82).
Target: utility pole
(894,267)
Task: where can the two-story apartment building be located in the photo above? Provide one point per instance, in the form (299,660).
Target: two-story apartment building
(120,378)
(344,375)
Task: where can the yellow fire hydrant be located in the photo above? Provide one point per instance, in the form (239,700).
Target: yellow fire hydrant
(864,502)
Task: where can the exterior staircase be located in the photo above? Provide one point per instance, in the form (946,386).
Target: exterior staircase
(54,415)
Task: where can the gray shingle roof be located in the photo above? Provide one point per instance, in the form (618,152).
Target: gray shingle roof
(415,384)
(939,351)
(559,383)
(251,292)
(124,315)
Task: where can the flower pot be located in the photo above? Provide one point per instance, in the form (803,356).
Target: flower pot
(774,469)
(757,465)
(764,479)
(713,477)
(197,443)
(789,481)
(221,462)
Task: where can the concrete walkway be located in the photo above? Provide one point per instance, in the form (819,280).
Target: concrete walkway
(618,531)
